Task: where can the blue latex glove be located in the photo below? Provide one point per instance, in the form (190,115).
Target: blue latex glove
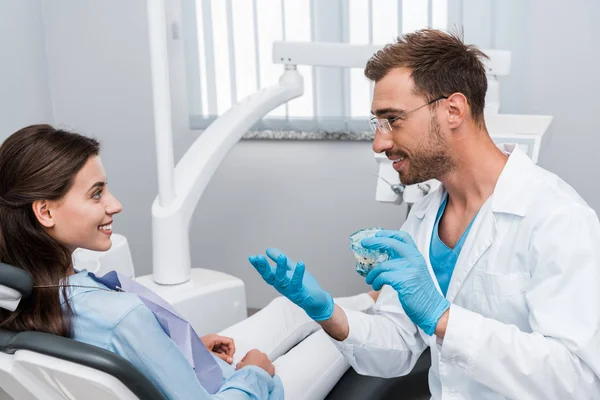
(407,273)
(294,282)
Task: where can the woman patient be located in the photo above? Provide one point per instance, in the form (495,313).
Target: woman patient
(54,199)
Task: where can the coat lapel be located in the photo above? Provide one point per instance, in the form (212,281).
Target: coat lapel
(425,230)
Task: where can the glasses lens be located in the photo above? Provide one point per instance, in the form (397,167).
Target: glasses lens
(373,124)
(382,124)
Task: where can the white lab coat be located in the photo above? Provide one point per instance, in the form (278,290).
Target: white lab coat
(525,316)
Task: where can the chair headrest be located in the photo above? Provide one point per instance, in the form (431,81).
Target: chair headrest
(15,284)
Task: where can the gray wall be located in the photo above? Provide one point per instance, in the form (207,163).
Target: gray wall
(561,78)
(98,61)
(305,197)
(555,52)
(24,91)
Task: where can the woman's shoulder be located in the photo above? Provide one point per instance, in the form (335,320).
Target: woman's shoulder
(92,302)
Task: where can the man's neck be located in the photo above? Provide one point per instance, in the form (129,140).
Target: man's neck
(479,165)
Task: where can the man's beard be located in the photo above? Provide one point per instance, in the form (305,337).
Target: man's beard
(430,159)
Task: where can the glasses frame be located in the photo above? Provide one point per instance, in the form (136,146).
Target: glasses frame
(386,123)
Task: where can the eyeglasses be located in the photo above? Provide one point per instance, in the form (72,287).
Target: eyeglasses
(385,124)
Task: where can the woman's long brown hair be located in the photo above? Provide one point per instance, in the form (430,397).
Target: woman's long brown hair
(38,163)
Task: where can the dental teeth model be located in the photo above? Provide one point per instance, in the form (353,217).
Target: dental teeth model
(366,258)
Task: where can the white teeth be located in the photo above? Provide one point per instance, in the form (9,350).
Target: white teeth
(105,227)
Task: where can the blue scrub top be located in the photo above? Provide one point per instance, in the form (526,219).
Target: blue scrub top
(442,258)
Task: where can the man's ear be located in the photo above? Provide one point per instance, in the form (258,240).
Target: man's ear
(41,209)
(458,108)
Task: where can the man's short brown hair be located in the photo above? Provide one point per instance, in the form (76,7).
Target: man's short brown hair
(440,64)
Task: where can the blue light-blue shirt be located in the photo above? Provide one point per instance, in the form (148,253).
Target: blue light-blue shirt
(443,259)
(121,323)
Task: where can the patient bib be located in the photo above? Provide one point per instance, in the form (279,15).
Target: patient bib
(178,329)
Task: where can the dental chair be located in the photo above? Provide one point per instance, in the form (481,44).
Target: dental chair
(37,365)
(414,386)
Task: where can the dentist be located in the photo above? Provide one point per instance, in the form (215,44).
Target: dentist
(498,271)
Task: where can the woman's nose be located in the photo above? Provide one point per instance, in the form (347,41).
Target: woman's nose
(113,207)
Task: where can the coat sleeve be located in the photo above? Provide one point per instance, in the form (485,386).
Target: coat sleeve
(386,344)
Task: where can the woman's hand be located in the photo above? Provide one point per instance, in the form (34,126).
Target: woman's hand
(259,359)
(223,347)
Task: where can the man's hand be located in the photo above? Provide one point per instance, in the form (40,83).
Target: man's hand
(294,282)
(223,347)
(442,325)
(407,273)
(258,359)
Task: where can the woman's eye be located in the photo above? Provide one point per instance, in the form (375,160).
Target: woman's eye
(97,194)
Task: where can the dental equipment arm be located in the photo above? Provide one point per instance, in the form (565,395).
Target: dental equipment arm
(181,187)
(170,222)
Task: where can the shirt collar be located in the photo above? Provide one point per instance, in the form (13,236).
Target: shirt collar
(512,192)
(76,282)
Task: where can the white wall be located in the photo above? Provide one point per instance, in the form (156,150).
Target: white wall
(24,91)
